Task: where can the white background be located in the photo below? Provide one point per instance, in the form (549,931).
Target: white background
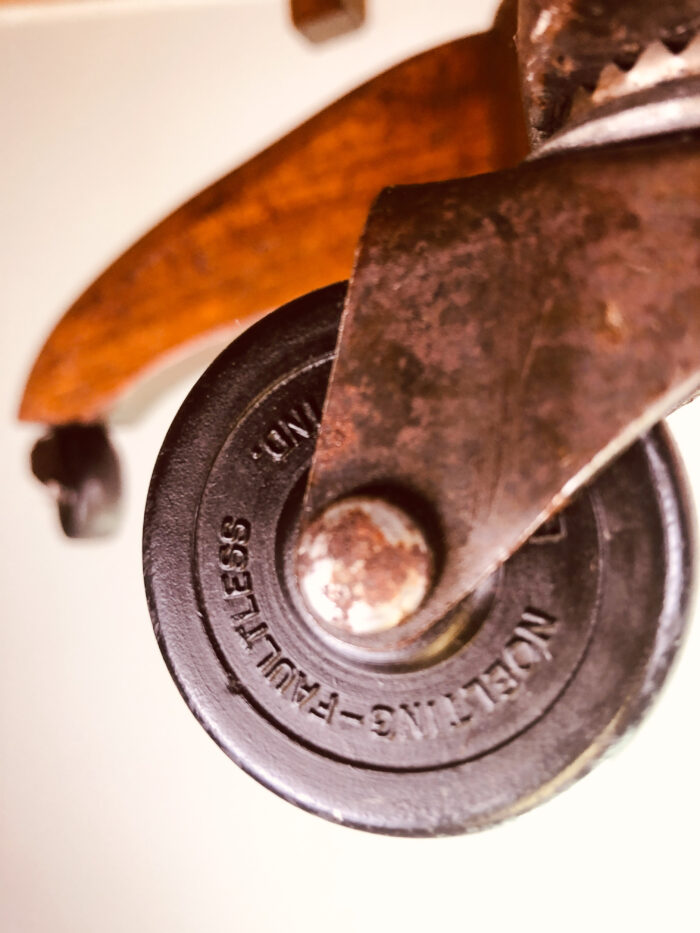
(117,812)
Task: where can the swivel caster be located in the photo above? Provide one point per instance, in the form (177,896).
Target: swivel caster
(506,700)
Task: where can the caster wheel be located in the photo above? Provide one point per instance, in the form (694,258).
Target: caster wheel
(541,670)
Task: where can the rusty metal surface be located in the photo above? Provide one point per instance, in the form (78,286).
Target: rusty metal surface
(564,45)
(364,565)
(505,337)
(664,108)
(659,94)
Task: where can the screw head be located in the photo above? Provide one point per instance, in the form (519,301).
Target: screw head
(364,565)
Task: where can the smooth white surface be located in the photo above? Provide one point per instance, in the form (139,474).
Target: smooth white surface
(117,812)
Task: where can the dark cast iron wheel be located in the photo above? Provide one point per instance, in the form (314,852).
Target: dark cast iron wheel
(546,666)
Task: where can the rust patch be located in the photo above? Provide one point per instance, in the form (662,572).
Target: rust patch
(363,565)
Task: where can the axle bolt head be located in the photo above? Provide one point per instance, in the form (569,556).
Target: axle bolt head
(364,565)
